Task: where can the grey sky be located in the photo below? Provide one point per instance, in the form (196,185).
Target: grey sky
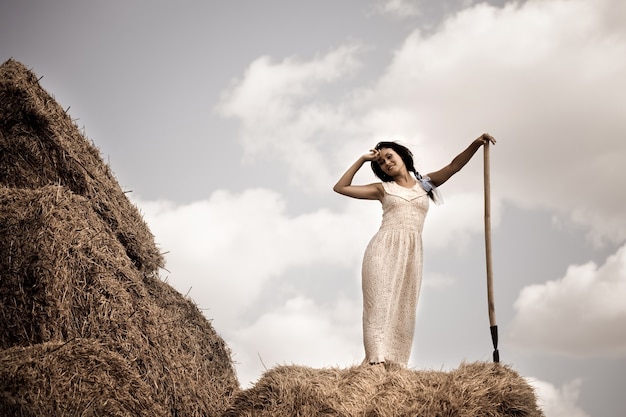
(230,122)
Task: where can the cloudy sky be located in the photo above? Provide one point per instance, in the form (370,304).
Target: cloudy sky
(231,121)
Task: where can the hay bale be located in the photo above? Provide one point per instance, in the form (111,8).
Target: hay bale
(65,277)
(41,145)
(77,262)
(80,377)
(474,389)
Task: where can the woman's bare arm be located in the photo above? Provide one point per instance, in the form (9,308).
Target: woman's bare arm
(368,192)
(444,174)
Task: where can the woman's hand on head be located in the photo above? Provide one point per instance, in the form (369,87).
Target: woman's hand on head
(371,155)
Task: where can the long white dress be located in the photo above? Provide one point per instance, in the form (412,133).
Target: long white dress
(392,275)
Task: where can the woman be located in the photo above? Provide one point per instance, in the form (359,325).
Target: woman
(392,264)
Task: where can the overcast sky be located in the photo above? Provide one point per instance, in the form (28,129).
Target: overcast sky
(231,121)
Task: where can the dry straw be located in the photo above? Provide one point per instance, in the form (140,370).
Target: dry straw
(82,307)
(79,377)
(473,390)
(41,145)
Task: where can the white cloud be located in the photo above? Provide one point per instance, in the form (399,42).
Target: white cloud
(558,402)
(300,331)
(269,89)
(282,115)
(581,314)
(226,248)
(398,8)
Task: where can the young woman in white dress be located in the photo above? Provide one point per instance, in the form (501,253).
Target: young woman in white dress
(392,264)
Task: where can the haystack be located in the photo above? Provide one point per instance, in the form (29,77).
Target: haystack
(109,386)
(473,389)
(79,283)
(41,145)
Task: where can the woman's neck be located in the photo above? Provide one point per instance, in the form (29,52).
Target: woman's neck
(405,180)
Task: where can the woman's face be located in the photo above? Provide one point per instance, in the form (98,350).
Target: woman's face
(390,162)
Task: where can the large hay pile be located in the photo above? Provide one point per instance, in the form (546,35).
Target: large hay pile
(88,327)
(472,390)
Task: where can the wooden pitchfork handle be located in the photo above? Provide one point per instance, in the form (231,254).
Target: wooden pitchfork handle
(490,299)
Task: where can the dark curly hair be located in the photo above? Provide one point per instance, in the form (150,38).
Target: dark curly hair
(404,153)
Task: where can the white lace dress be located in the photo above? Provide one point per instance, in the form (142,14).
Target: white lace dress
(392,275)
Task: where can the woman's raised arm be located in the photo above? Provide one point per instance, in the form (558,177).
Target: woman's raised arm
(367,192)
(444,174)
